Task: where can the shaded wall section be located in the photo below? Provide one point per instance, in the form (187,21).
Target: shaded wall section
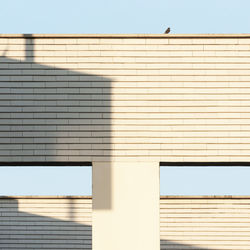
(45,223)
(51,108)
(54,103)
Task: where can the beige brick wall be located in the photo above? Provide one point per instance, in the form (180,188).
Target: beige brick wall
(185,223)
(102,98)
(45,223)
(205,223)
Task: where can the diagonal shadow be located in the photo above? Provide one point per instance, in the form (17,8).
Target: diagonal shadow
(22,230)
(51,114)
(173,245)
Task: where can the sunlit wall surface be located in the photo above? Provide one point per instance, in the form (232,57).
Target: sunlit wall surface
(124,98)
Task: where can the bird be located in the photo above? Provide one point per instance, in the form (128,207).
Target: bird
(167,30)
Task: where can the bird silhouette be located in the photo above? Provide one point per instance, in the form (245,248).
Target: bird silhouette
(167,30)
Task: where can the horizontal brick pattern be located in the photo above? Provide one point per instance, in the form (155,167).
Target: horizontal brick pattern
(205,223)
(185,223)
(55,223)
(102,99)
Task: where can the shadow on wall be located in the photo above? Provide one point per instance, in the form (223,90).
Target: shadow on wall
(172,245)
(52,114)
(22,230)
(49,113)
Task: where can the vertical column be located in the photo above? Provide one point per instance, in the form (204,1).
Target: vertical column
(126,206)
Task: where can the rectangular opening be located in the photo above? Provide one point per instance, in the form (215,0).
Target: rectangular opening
(204,205)
(43,206)
(45,180)
(204,180)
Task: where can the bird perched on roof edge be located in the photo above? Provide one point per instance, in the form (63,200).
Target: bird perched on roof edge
(167,30)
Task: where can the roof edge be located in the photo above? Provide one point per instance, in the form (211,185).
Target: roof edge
(125,35)
(161,197)
(47,197)
(204,197)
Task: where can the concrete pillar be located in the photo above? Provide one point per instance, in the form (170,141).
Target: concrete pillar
(126,206)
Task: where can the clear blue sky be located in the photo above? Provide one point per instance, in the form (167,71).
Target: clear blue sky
(205,180)
(46,180)
(77,181)
(124,16)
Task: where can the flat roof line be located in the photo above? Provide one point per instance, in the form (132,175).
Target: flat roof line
(244,35)
(162,197)
(47,197)
(204,197)
(45,163)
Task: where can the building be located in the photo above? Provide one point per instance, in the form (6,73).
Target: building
(125,104)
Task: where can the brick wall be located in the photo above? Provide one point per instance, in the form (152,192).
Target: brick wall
(102,98)
(204,223)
